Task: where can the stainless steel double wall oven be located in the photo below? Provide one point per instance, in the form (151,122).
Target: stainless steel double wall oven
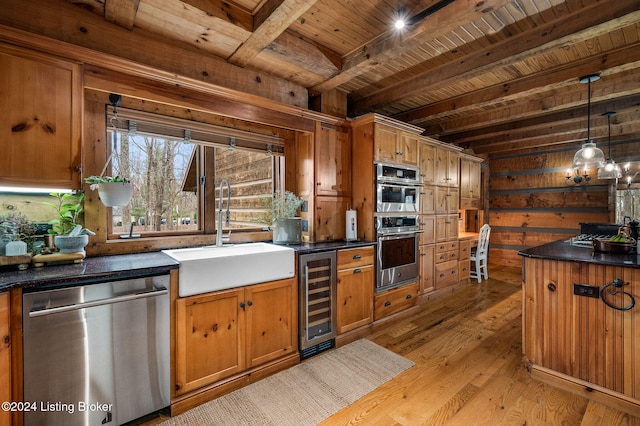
(397,224)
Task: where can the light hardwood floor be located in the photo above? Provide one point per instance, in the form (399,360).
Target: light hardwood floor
(468,354)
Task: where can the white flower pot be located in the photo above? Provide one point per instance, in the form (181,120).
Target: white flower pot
(287,231)
(114,194)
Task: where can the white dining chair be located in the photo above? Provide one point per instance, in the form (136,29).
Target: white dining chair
(479,256)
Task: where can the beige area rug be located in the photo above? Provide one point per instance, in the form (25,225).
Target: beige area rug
(305,394)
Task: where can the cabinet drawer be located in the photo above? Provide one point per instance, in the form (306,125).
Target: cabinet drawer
(446,273)
(464,269)
(465,249)
(447,246)
(446,256)
(353,258)
(395,300)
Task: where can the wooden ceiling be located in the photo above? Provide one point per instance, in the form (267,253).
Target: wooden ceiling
(496,76)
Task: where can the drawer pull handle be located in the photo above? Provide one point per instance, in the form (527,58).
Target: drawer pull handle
(408,296)
(387,303)
(441,275)
(357,271)
(356,256)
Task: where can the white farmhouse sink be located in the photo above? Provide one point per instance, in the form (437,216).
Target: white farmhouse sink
(210,268)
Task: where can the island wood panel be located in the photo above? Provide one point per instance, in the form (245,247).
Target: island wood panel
(579,336)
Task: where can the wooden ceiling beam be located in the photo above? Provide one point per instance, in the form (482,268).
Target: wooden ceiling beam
(225,11)
(532,112)
(391,45)
(572,129)
(272,20)
(528,86)
(585,23)
(121,12)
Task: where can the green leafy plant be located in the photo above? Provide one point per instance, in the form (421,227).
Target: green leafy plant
(69,207)
(282,205)
(94,181)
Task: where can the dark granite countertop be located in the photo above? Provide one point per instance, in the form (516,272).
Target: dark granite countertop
(308,248)
(117,267)
(91,270)
(562,250)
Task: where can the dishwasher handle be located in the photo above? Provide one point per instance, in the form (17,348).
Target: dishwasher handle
(160,291)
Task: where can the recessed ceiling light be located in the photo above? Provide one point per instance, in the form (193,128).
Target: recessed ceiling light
(400,23)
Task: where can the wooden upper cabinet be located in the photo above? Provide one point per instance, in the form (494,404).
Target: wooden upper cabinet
(40,130)
(333,160)
(447,167)
(470,177)
(427,163)
(395,146)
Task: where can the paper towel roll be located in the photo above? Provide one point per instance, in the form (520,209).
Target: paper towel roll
(352,225)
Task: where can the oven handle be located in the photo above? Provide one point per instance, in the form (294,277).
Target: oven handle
(393,234)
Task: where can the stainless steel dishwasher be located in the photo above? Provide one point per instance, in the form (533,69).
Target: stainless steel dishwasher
(97,353)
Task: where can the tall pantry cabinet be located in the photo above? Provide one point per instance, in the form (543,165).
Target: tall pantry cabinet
(439,170)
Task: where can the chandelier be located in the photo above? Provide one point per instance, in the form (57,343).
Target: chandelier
(589,156)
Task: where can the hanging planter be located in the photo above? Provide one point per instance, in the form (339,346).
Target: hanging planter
(113,191)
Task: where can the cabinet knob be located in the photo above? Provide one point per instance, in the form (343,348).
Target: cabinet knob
(250,303)
(408,296)
(387,303)
(357,271)
(242,305)
(552,287)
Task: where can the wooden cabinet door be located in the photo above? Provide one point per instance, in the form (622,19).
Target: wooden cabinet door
(441,200)
(475,176)
(385,142)
(355,298)
(465,184)
(428,199)
(333,161)
(209,338)
(5,357)
(408,148)
(441,167)
(428,228)
(453,168)
(427,262)
(453,200)
(330,222)
(446,228)
(271,320)
(427,163)
(41,112)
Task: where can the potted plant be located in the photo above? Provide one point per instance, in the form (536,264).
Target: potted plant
(282,211)
(113,191)
(70,237)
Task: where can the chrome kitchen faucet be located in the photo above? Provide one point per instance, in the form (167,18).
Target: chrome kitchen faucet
(228,214)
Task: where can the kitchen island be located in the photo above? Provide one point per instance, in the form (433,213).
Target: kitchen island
(581,324)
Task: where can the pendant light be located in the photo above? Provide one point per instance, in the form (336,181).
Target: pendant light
(611,170)
(589,156)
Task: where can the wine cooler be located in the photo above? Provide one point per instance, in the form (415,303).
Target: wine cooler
(317,302)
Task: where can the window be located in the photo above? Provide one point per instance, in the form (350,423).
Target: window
(165,161)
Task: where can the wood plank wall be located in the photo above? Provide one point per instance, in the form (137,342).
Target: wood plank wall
(532,203)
